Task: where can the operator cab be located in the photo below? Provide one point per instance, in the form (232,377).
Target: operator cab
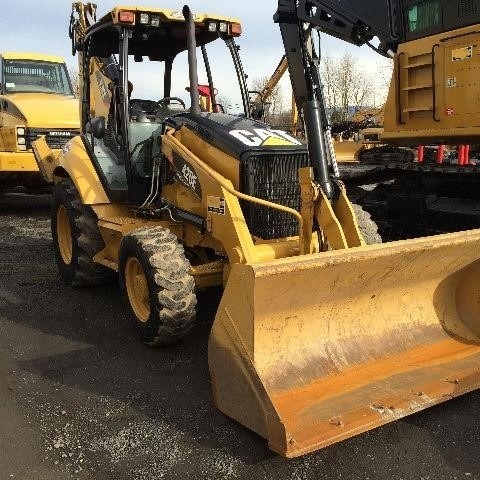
(138,70)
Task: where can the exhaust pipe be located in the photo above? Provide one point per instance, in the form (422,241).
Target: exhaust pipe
(192,60)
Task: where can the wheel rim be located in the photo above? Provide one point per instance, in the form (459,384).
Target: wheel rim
(137,289)
(64,235)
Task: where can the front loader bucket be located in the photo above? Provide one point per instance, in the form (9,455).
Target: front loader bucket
(308,351)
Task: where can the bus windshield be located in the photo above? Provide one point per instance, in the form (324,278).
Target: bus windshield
(36,76)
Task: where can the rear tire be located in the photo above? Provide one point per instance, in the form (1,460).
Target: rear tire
(76,238)
(157,285)
(368,228)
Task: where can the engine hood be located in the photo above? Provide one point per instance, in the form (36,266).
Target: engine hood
(39,110)
(237,135)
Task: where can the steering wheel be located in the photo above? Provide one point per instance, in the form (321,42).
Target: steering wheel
(166,100)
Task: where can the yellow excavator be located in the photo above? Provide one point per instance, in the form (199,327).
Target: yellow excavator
(258,105)
(431,101)
(36,99)
(318,336)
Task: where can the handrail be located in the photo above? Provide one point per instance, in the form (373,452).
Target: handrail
(399,90)
(434,91)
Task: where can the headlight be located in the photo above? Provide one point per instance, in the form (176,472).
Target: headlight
(212,26)
(20,131)
(144,18)
(155,21)
(21,140)
(235,29)
(126,17)
(22,147)
(223,27)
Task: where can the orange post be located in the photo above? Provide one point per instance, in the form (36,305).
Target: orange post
(420,153)
(440,153)
(461,154)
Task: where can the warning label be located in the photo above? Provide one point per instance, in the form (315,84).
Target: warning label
(216,205)
(463,53)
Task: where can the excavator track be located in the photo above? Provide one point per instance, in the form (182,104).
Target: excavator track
(414,200)
(385,153)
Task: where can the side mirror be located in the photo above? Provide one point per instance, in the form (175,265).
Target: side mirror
(96,127)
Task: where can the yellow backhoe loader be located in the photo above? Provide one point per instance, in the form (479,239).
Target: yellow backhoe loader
(36,99)
(318,336)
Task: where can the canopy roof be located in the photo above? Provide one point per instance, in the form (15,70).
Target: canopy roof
(160,42)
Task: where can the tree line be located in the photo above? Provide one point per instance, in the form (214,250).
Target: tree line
(347,85)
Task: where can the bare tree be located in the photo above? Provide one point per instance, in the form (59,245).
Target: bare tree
(73,74)
(274,102)
(329,74)
(384,69)
(346,85)
(362,89)
(345,78)
(225,102)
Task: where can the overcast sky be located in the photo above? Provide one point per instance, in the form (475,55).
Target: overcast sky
(41,26)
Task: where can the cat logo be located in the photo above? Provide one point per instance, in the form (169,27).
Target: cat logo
(265,137)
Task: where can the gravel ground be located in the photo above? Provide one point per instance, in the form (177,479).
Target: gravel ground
(81,398)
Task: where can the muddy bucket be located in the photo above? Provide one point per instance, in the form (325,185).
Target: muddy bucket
(310,350)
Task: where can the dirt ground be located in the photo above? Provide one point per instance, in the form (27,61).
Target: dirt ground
(81,398)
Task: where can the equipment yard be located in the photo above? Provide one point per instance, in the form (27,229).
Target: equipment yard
(199,293)
(81,398)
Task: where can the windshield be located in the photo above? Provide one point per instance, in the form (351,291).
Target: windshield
(36,76)
(147,82)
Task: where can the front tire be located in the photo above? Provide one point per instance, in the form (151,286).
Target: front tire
(157,285)
(76,238)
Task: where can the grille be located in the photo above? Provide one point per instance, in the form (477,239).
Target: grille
(466,7)
(273,178)
(55,138)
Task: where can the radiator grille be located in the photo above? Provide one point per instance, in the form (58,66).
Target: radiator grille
(466,7)
(273,178)
(55,138)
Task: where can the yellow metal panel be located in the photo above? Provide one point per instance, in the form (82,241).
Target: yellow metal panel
(433,94)
(43,110)
(347,151)
(17,162)
(32,56)
(76,164)
(221,162)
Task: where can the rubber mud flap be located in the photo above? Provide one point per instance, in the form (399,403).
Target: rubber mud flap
(310,350)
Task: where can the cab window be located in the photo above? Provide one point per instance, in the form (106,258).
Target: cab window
(424,15)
